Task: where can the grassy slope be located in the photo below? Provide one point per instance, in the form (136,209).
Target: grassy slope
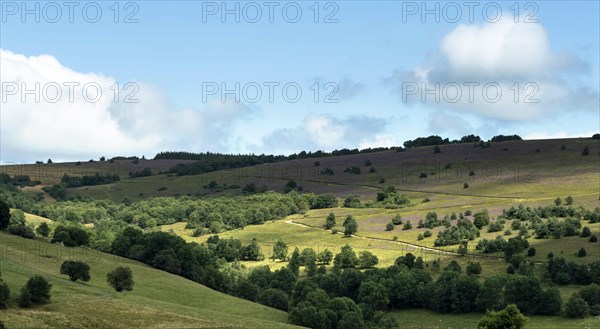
(504,176)
(158,300)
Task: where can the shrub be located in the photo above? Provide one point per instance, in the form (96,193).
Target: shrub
(531,252)
(120,279)
(407,226)
(43,229)
(473,268)
(593,238)
(581,252)
(427,233)
(389,227)
(510,317)
(35,291)
(586,151)
(76,270)
(465,185)
(585,232)
(330,221)
(397,220)
(22,231)
(576,307)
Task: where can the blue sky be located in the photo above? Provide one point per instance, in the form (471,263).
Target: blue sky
(367,56)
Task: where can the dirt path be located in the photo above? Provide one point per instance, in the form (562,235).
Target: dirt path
(408,244)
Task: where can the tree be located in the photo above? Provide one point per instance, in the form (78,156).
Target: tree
(586,232)
(43,229)
(373,294)
(252,252)
(35,291)
(350,226)
(366,259)
(309,259)
(473,268)
(481,218)
(295,262)
(280,250)
(17,218)
(581,252)
(346,258)
(453,266)
(569,200)
(330,221)
(436,149)
(4,215)
(120,279)
(76,270)
(508,318)
(557,201)
(576,307)
(274,298)
(389,226)
(325,256)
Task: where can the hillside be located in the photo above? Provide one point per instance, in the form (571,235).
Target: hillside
(505,171)
(453,184)
(158,300)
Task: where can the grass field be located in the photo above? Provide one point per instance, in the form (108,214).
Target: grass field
(158,300)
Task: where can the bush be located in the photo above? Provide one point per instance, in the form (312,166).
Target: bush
(465,185)
(407,226)
(473,268)
(510,317)
(76,270)
(43,229)
(120,279)
(389,227)
(585,232)
(427,233)
(531,252)
(576,307)
(581,253)
(35,291)
(586,151)
(22,231)
(593,238)
(71,236)
(397,220)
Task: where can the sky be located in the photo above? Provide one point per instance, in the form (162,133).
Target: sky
(81,80)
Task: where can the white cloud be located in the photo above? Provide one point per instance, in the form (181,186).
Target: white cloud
(79,129)
(512,58)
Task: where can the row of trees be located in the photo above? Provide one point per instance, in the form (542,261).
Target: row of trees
(209,162)
(435,140)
